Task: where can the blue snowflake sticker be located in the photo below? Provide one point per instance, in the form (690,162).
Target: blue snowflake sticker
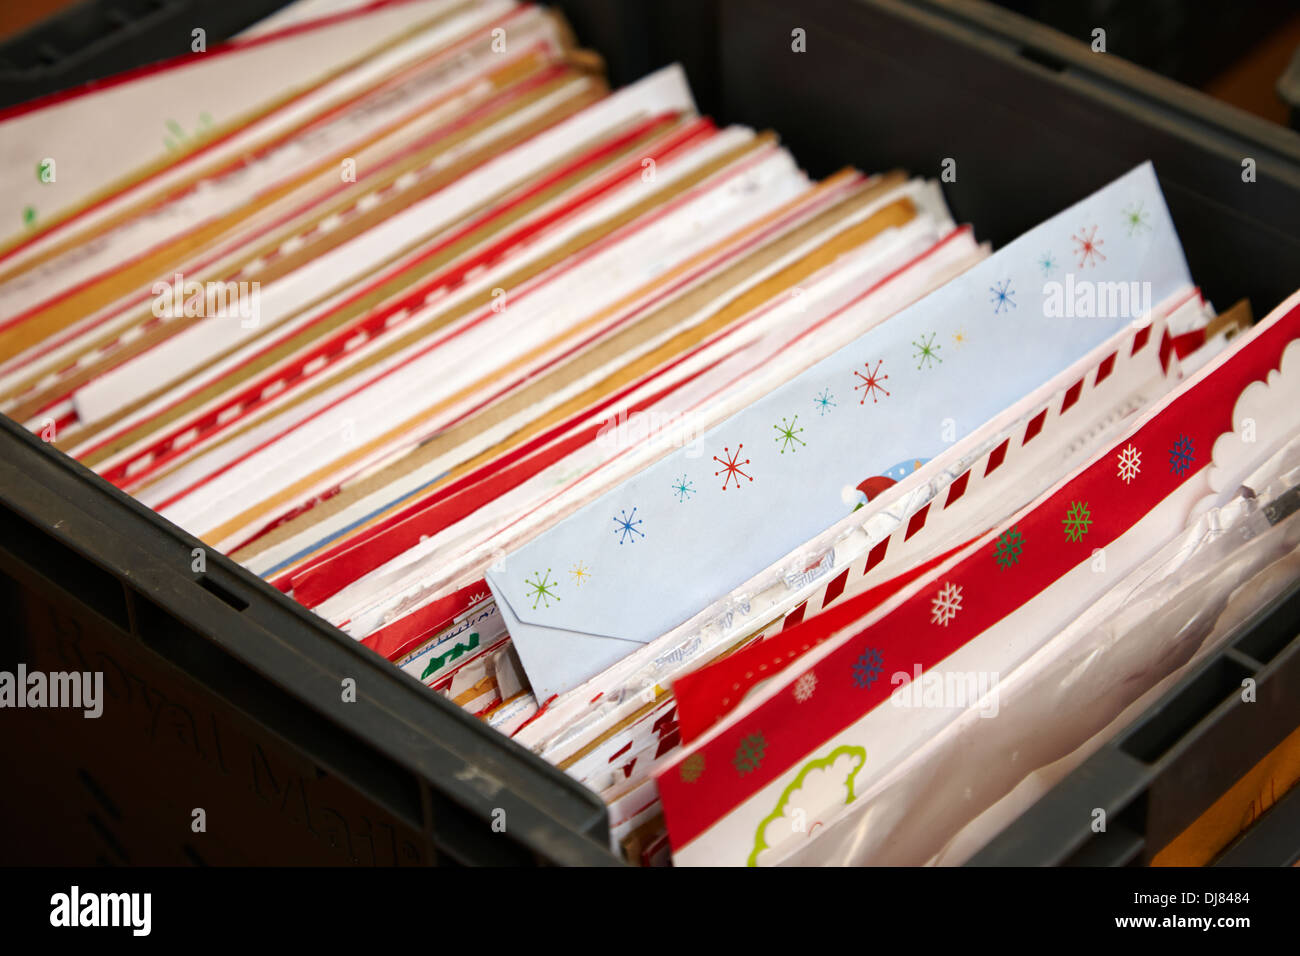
(683,489)
(627,526)
(1003,296)
(867,668)
(824,402)
(1182,455)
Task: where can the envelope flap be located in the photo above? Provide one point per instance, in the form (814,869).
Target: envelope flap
(558,659)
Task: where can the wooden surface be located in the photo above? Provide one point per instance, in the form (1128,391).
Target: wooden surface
(17,17)
(1251,82)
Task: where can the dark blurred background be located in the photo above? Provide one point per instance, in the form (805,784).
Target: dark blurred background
(1234,50)
(1244,52)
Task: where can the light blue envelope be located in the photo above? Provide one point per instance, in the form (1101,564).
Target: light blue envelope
(683,533)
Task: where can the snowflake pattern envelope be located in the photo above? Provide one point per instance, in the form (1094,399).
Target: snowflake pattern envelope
(771,477)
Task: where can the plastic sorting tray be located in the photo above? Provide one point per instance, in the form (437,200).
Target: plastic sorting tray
(1170,765)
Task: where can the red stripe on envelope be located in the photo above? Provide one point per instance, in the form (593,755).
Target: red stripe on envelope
(412,300)
(253,395)
(707,695)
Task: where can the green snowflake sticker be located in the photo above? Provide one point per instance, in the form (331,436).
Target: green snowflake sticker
(788,435)
(927,353)
(178,137)
(692,767)
(1136,219)
(749,754)
(542,588)
(1011,544)
(1077,521)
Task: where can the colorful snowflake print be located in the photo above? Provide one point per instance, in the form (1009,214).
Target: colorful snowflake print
(580,573)
(626,526)
(959,338)
(1003,296)
(927,353)
(1130,463)
(541,588)
(824,402)
(1047,262)
(683,489)
(872,382)
(749,755)
(731,466)
(1077,521)
(787,435)
(692,767)
(804,687)
(866,669)
(1011,544)
(945,605)
(1136,219)
(1182,455)
(1089,247)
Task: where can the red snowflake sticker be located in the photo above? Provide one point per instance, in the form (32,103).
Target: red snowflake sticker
(1089,247)
(731,466)
(871,382)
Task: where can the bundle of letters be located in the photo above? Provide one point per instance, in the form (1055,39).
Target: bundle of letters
(784,514)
